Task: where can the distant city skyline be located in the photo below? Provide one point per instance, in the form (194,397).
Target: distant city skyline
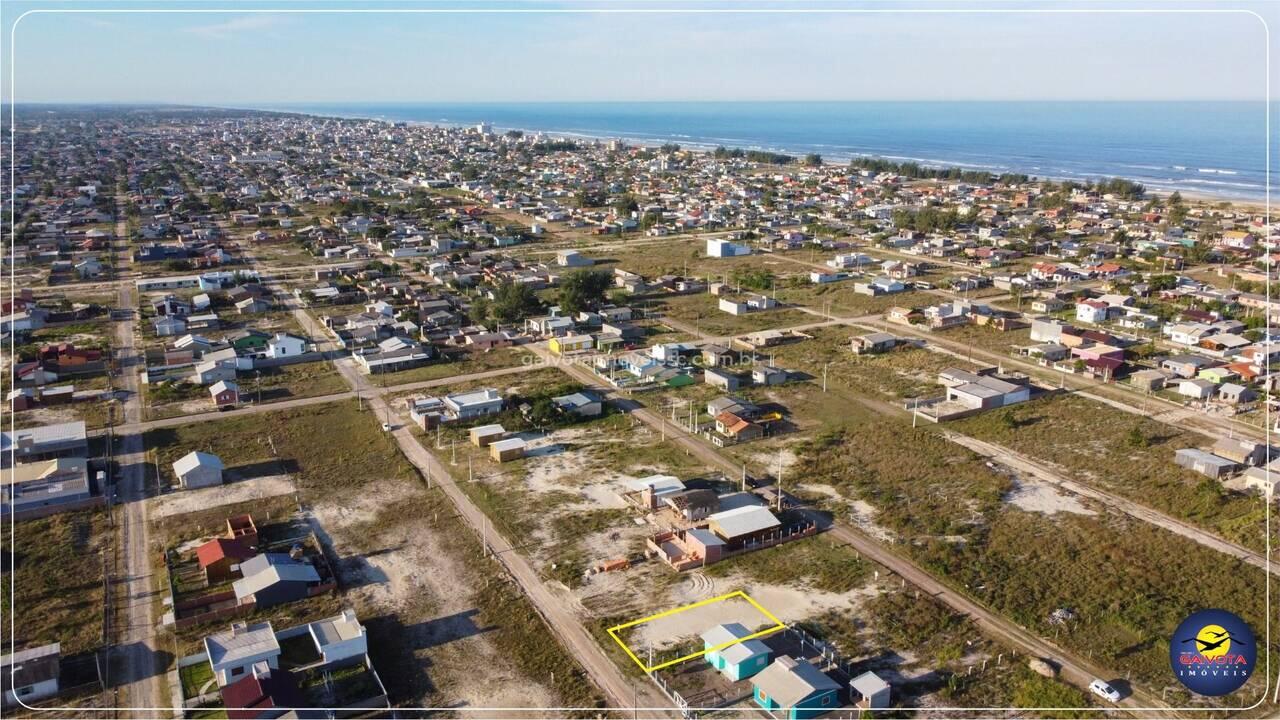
(254,59)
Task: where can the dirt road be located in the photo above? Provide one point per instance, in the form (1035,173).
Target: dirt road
(141,669)
(1073,669)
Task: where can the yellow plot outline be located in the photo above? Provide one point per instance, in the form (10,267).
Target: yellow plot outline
(613,631)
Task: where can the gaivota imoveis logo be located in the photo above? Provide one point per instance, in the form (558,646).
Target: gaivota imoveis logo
(1213,652)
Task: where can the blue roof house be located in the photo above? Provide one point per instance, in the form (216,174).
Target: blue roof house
(740,660)
(795,690)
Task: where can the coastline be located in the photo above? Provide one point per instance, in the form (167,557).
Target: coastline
(1250,202)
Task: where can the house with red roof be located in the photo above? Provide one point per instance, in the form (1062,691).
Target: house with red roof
(262,694)
(219,555)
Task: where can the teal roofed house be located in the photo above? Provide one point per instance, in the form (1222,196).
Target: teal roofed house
(740,660)
(794,690)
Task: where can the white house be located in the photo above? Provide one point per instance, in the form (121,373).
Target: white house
(285,345)
(340,638)
(233,653)
(724,248)
(31,675)
(198,469)
(463,406)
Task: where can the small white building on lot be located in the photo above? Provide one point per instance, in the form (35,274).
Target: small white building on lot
(198,469)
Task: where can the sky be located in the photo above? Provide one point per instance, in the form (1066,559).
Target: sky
(285,55)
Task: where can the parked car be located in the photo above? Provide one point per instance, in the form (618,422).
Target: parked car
(1104,690)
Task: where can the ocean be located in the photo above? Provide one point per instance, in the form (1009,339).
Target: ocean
(1211,148)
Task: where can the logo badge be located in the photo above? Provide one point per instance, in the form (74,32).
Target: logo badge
(1213,652)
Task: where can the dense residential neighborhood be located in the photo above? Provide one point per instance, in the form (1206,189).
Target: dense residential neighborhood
(311,412)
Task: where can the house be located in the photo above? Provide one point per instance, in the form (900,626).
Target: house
(1262,481)
(726,651)
(211,372)
(981,391)
(263,694)
(794,690)
(692,505)
(768,375)
(744,523)
(570,343)
(1092,311)
(46,442)
(225,393)
(872,343)
(31,675)
(168,325)
(272,579)
(573,258)
(252,305)
(1236,394)
(198,469)
(1148,380)
(1242,452)
(653,490)
(725,248)
(485,435)
(233,653)
(722,379)
(871,691)
(1203,462)
(45,486)
(507,450)
(468,405)
(219,556)
(581,404)
(341,639)
(1196,388)
(393,354)
(283,345)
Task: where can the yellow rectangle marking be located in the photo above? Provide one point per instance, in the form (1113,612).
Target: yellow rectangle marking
(613,631)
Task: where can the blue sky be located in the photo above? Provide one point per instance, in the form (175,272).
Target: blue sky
(240,58)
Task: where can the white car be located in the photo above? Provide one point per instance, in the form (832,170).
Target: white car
(386,427)
(1103,690)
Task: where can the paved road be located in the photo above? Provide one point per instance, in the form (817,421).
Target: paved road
(1073,669)
(143,679)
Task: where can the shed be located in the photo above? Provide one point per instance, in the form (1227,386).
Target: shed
(485,435)
(871,691)
(1204,463)
(506,450)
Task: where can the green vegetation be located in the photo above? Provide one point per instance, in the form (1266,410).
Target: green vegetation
(324,446)
(194,677)
(56,578)
(816,562)
(583,290)
(1036,691)
(1126,454)
(1127,582)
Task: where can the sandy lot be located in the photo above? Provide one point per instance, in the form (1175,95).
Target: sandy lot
(406,570)
(1042,498)
(187,501)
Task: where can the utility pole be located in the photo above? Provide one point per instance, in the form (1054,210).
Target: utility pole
(824,376)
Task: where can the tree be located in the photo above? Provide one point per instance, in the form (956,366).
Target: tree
(583,289)
(1136,438)
(813,160)
(513,302)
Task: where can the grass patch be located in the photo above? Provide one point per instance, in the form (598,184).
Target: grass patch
(57,580)
(194,677)
(325,446)
(815,562)
(1095,443)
